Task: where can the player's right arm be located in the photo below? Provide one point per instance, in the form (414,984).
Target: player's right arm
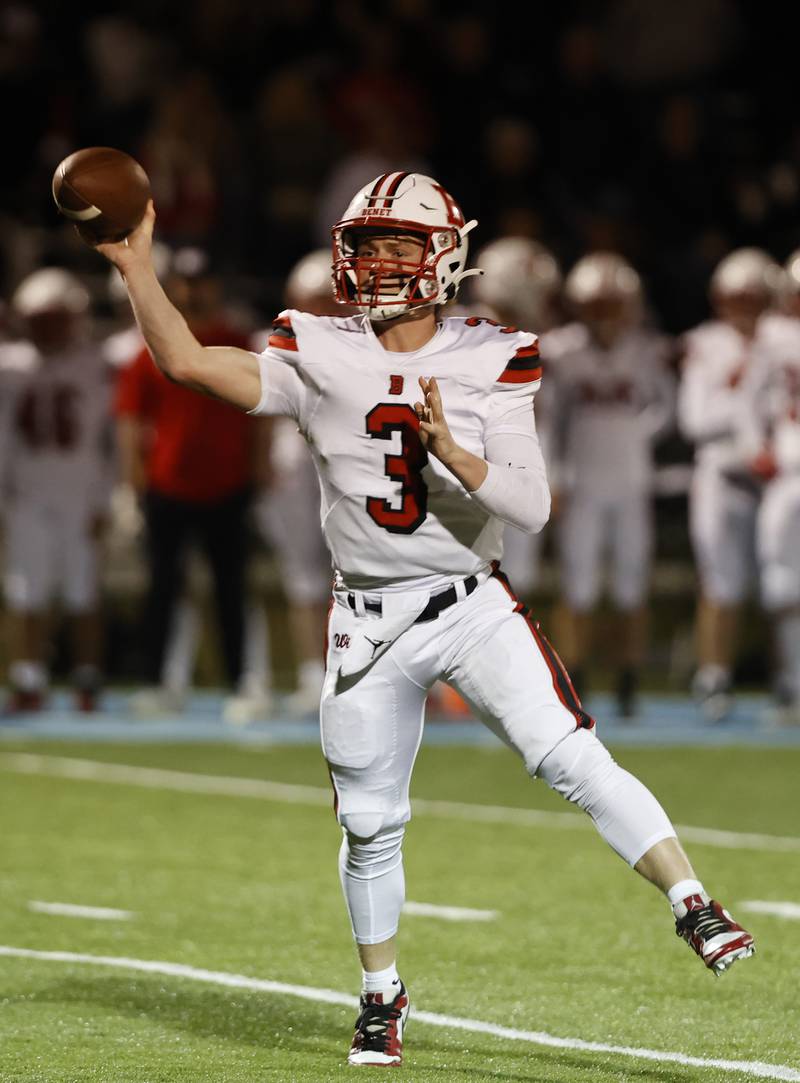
(226,372)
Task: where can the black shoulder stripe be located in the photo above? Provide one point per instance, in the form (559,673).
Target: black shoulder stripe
(282,328)
(522,364)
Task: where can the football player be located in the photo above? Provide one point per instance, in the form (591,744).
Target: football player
(55,388)
(776,447)
(520,286)
(422,432)
(721,363)
(193,463)
(615,396)
(287,512)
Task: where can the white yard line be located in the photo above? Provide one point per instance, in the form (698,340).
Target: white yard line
(189,782)
(789,910)
(475,1026)
(448,913)
(72,910)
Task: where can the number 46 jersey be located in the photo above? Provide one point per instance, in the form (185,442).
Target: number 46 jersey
(55,430)
(389,511)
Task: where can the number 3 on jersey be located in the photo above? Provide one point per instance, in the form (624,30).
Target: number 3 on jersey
(382,421)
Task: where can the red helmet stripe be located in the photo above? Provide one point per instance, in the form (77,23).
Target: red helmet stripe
(395,184)
(454,215)
(376,188)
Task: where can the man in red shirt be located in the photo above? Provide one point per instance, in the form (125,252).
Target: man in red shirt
(191,459)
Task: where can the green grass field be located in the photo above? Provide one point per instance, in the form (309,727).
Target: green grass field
(247,885)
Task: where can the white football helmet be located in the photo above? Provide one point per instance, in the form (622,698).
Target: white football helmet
(50,289)
(603,276)
(401,203)
(791,273)
(748,271)
(310,279)
(520,277)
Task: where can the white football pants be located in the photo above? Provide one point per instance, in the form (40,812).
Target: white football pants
(490,649)
(50,554)
(594,524)
(722,525)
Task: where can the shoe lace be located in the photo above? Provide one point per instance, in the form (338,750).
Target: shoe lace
(374,1022)
(705,922)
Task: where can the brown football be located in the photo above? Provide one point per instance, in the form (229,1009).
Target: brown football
(102,191)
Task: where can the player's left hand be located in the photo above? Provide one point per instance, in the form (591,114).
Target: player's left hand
(434,432)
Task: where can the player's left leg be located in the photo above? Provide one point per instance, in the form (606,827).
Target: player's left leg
(29,580)
(223,535)
(778,544)
(582,537)
(288,517)
(81,596)
(502,663)
(631,547)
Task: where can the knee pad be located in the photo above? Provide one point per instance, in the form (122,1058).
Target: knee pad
(361,826)
(624,811)
(780,586)
(370,858)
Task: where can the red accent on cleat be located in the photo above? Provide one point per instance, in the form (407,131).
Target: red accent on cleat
(378,1037)
(713,934)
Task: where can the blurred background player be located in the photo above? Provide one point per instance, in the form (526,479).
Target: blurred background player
(120,348)
(194,462)
(55,389)
(614,397)
(721,363)
(777,461)
(288,512)
(520,287)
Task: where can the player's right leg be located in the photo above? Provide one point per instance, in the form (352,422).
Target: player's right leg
(371,728)
(32,561)
(502,663)
(722,528)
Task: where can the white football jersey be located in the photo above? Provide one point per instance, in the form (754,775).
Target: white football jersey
(721,373)
(777,394)
(611,404)
(389,511)
(123,346)
(57,439)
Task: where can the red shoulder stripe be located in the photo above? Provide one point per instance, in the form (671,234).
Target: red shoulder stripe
(520,376)
(528,351)
(283,336)
(282,342)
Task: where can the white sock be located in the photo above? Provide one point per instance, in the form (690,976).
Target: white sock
(27,675)
(787,634)
(681,891)
(712,676)
(382,981)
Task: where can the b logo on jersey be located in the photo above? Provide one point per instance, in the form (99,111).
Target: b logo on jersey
(396,385)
